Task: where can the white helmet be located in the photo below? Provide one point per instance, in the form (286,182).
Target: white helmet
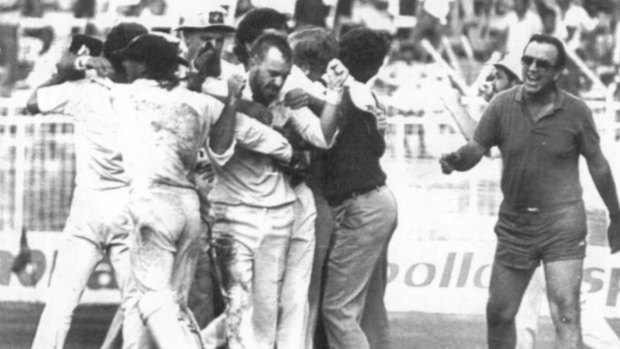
(206,18)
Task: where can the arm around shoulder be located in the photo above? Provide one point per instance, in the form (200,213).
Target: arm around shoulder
(223,132)
(253,135)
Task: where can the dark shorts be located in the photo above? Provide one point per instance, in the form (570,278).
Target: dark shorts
(525,237)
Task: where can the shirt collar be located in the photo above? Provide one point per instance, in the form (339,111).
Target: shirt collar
(559,100)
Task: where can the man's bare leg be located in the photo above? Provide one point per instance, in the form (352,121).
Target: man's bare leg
(563,289)
(505,292)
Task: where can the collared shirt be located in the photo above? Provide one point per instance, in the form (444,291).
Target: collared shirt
(250,177)
(99,162)
(166,128)
(302,120)
(541,159)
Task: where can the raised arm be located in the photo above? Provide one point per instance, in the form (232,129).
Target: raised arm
(250,108)
(337,74)
(33,102)
(223,130)
(70,67)
(320,132)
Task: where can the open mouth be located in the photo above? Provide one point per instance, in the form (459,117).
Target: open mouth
(531,79)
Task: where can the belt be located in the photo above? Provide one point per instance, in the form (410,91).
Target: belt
(336,200)
(541,208)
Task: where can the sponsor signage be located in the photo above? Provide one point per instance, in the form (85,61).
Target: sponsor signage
(453,278)
(426,276)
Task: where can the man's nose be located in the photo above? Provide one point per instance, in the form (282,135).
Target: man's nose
(533,66)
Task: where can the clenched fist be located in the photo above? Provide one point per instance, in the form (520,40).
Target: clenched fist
(236,84)
(337,74)
(449,162)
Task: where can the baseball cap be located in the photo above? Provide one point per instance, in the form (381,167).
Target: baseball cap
(511,63)
(209,18)
(157,51)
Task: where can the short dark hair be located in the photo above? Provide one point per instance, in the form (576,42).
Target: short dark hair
(555,42)
(119,37)
(252,26)
(363,49)
(314,47)
(263,43)
(159,53)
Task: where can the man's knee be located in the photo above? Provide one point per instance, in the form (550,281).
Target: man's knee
(331,312)
(500,313)
(565,313)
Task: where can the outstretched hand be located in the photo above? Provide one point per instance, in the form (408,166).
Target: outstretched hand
(448,162)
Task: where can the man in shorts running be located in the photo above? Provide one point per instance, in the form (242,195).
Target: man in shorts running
(541,131)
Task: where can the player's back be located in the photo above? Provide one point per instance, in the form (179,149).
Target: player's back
(163,133)
(98,155)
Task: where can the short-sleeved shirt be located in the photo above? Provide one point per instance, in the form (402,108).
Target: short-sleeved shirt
(541,159)
(99,162)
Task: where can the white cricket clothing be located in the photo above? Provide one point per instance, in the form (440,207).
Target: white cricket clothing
(219,85)
(98,153)
(163,132)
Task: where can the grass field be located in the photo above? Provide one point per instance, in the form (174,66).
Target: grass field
(410,330)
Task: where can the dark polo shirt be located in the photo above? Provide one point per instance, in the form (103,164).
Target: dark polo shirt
(541,159)
(352,164)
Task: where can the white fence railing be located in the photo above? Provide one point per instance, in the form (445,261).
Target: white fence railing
(37,161)
(37,170)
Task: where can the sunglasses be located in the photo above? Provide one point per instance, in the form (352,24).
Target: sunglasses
(540,63)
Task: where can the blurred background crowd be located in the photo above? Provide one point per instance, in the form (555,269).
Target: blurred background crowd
(467,33)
